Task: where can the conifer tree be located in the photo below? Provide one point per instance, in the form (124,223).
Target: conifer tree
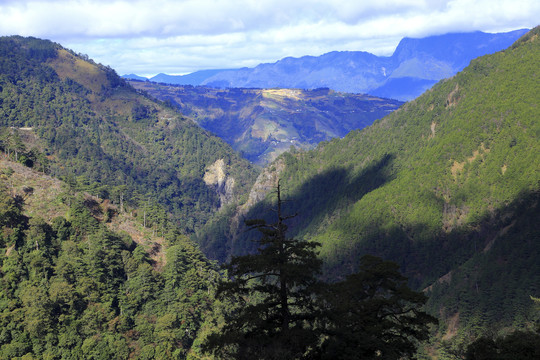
(278,309)
(273,292)
(373,314)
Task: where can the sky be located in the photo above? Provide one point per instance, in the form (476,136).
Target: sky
(178,37)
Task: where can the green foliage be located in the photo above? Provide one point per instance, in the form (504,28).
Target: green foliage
(446,187)
(74,289)
(92,126)
(278,309)
(272,292)
(14,148)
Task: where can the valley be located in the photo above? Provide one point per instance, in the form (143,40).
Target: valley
(428,187)
(263,123)
(121,199)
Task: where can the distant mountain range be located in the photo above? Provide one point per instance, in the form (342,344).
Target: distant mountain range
(414,67)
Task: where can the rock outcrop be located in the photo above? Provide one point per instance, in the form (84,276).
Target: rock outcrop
(217,177)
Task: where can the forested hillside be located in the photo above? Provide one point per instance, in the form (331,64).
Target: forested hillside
(87,125)
(82,279)
(263,123)
(447,186)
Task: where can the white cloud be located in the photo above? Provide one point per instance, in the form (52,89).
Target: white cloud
(183,36)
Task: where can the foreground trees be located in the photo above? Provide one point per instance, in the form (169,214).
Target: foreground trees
(74,289)
(272,293)
(373,314)
(519,345)
(278,309)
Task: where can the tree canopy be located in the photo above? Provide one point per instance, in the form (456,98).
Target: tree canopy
(272,296)
(278,308)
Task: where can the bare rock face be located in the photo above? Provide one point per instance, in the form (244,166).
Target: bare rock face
(216,176)
(266,182)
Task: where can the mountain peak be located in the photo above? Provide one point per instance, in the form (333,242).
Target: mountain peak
(459,48)
(416,65)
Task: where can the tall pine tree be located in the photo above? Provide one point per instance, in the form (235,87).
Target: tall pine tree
(273,292)
(276,308)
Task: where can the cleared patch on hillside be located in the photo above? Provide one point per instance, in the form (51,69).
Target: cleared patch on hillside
(453,97)
(457,167)
(281,94)
(453,327)
(47,197)
(147,238)
(83,72)
(41,193)
(454,216)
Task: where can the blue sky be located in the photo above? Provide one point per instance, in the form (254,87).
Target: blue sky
(178,37)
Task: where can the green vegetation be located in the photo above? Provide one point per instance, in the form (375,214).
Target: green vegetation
(447,187)
(263,123)
(272,297)
(280,310)
(91,128)
(71,288)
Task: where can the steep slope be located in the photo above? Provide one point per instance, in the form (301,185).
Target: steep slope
(263,123)
(97,130)
(414,67)
(448,186)
(75,284)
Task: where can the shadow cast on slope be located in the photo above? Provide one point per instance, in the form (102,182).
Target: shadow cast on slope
(500,243)
(325,193)
(483,272)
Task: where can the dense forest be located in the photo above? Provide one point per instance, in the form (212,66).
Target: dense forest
(447,187)
(99,132)
(72,287)
(430,212)
(75,285)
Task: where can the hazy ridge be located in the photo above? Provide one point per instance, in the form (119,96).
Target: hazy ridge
(414,67)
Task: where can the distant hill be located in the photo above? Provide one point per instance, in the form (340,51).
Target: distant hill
(263,123)
(195,78)
(97,130)
(448,186)
(134,77)
(414,67)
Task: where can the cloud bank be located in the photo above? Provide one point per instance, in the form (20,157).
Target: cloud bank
(146,37)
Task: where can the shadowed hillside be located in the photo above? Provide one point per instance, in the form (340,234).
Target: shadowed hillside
(442,186)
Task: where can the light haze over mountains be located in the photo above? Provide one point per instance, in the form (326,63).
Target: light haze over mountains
(414,67)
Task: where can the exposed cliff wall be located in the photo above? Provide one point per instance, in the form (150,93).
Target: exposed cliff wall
(217,176)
